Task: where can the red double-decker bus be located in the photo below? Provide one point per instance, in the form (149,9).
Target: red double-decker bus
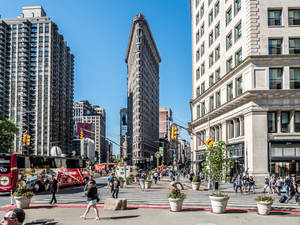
(35,171)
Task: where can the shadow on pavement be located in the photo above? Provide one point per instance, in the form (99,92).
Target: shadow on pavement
(279,213)
(119,217)
(192,210)
(236,211)
(42,222)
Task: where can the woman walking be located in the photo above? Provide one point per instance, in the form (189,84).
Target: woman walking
(92,197)
(115,186)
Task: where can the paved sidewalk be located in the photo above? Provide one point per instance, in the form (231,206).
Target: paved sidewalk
(70,216)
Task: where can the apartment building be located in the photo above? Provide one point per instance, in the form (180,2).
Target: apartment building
(36,81)
(246,81)
(142,60)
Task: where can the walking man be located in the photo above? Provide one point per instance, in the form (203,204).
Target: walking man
(53,188)
(238,183)
(116,186)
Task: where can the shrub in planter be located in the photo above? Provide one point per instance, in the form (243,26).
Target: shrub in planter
(23,196)
(196,183)
(264,204)
(122,181)
(176,199)
(148,183)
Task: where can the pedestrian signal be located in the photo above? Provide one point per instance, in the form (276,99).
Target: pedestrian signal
(28,140)
(81,134)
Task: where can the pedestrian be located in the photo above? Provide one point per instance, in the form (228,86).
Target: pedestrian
(293,191)
(53,187)
(267,184)
(279,184)
(88,181)
(287,183)
(116,186)
(233,181)
(110,181)
(155,176)
(238,183)
(93,198)
(15,216)
(142,181)
(273,184)
(251,184)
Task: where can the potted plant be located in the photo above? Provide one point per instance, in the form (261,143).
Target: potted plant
(136,177)
(122,181)
(176,199)
(23,196)
(218,165)
(148,183)
(264,204)
(196,183)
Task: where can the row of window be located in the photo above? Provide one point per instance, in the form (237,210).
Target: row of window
(275,46)
(285,121)
(275,17)
(276,78)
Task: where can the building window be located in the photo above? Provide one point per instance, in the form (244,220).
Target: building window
(275,77)
(198,111)
(211,103)
(202,30)
(275,46)
(237,6)
(218,99)
(294,45)
(202,108)
(272,122)
(274,17)
(217,30)
(210,17)
(202,87)
(202,69)
(197,55)
(294,16)
(202,49)
(238,57)
(239,86)
(231,129)
(202,10)
(238,127)
(285,122)
(217,53)
(229,40)
(211,38)
(198,74)
(217,74)
(197,19)
(197,3)
(228,16)
(211,80)
(197,37)
(238,32)
(217,8)
(295,78)
(211,59)
(229,65)
(229,92)
(297,121)
(198,91)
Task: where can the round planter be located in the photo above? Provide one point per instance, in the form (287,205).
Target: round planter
(176,204)
(195,186)
(22,202)
(148,185)
(218,204)
(136,179)
(122,184)
(263,208)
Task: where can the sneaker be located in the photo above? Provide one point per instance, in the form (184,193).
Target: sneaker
(83,217)
(97,218)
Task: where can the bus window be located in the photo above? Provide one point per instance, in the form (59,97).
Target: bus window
(21,161)
(64,163)
(5,164)
(36,162)
(27,162)
(51,163)
(72,163)
(58,162)
(80,163)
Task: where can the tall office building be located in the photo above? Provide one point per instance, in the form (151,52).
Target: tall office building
(84,112)
(165,118)
(142,60)
(246,81)
(36,72)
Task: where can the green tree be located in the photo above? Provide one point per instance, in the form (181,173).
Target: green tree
(7,131)
(218,162)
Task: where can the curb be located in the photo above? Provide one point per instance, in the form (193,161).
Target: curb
(147,207)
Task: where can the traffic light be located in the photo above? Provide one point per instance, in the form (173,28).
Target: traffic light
(174,132)
(24,139)
(81,134)
(28,140)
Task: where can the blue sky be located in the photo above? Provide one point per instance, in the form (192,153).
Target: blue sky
(97,32)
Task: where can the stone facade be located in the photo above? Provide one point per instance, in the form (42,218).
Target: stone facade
(245,87)
(143,92)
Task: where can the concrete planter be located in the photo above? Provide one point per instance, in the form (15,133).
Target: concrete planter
(148,184)
(136,179)
(264,208)
(176,204)
(122,184)
(195,186)
(22,202)
(218,204)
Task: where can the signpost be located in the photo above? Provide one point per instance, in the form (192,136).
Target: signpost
(157,155)
(209,142)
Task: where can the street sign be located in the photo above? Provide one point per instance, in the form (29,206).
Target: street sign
(174,155)
(209,142)
(157,154)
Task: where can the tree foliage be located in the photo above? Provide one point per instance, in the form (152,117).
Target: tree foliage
(7,131)
(218,162)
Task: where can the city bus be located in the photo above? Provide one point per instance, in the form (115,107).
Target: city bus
(36,171)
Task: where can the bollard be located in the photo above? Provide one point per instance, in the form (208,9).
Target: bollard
(11,197)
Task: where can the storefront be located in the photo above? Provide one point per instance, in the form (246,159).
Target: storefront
(237,151)
(284,158)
